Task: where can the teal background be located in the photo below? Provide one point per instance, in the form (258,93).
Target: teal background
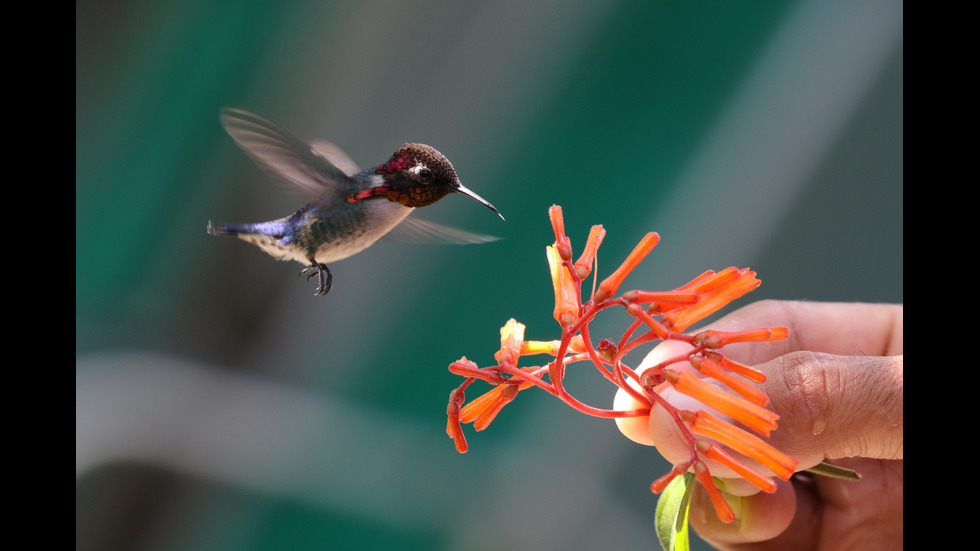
(221,406)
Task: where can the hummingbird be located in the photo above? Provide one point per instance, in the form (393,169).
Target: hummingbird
(349,210)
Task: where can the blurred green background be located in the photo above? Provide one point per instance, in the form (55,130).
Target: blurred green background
(221,406)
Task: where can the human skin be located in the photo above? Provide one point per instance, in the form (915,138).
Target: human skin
(837,385)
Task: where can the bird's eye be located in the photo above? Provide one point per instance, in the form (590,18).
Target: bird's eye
(425,174)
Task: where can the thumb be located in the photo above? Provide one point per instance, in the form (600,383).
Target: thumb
(836,406)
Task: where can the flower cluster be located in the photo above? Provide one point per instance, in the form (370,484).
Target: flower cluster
(657,316)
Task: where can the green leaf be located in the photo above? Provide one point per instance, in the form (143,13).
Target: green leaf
(671,515)
(826,469)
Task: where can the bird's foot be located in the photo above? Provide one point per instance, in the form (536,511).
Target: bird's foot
(318,269)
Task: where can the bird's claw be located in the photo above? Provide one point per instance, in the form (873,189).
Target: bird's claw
(318,269)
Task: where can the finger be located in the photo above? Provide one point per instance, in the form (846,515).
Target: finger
(844,329)
(829,407)
(758,518)
(827,513)
(837,406)
(836,328)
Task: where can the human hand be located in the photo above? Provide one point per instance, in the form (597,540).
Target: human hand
(837,385)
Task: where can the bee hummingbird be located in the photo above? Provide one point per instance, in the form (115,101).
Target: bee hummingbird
(350,210)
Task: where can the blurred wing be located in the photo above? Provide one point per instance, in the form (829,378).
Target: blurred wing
(336,156)
(275,149)
(420,230)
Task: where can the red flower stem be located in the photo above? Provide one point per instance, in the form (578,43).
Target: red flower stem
(619,368)
(582,326)
(556,369)
(642,339)
(604,413)
(637,395)
(587,313)
(638,312)
(594,356)
(559,392)
(462,387)
(616,376)
(557,366)
(633,375)
(629,332)
(659,368)
(675,414)
(528,377)
(572,358)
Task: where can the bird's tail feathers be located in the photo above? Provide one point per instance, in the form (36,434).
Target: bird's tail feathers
(272,229)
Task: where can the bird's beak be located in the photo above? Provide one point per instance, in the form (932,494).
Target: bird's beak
(460,188)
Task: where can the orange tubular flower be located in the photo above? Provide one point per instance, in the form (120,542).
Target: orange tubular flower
(453,427)
(749,373)
(583,266)
(492,407)
(705,424)
(552,347)
(708,368)
(715,453)
(759,419)
(483,409)
(716,292)
(722,508)
(665,300)
(563,245)
(718,339)
(611,284)
(566,292)
(656,316)
(466,368)
(511,339)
